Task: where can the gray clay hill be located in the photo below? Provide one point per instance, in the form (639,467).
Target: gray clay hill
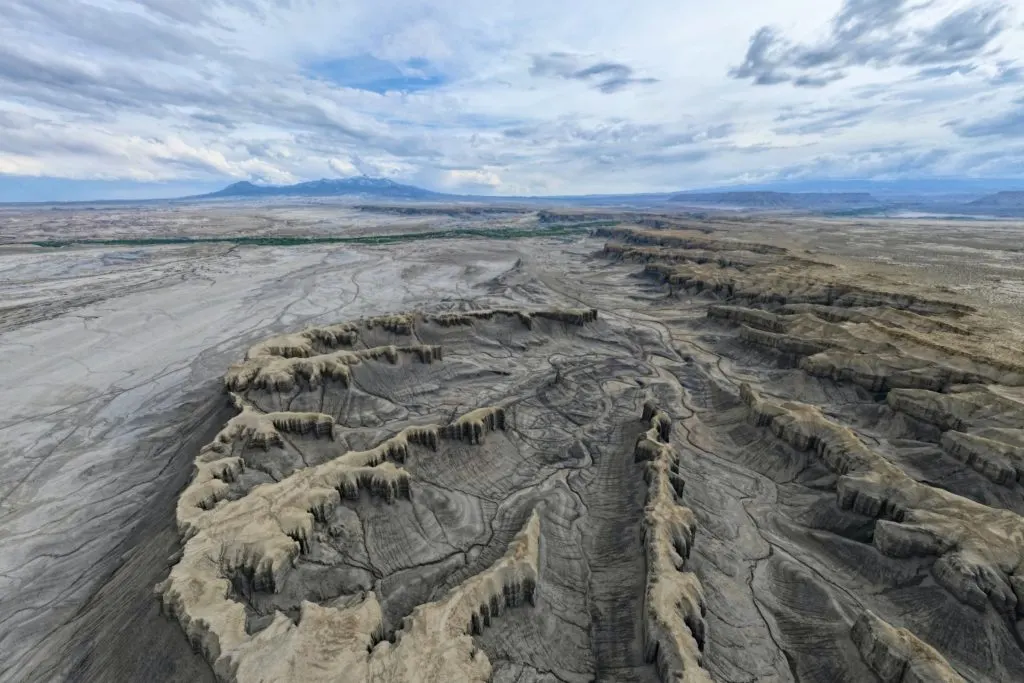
(654,450)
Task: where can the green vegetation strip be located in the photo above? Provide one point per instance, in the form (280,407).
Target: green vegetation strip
(293,241)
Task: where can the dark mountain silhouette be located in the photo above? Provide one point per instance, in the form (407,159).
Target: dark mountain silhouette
(362,186)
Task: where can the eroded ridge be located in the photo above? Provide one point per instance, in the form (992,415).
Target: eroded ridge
(886,349)
(774,276)
(217,468)
(674,607)
(260,535)
(894,395)
(896,655)
(824,318)
(979,549)
(981,426)
(343,641)
(319,340)
(319,354)
(250,537)
(273,373)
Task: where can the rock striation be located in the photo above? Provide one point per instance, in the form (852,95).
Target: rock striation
(980,549)
(896,655)
(249,542)
(674,607)
(887,421)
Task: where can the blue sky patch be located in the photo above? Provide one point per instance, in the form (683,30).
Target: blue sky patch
(14,188)
(365,72)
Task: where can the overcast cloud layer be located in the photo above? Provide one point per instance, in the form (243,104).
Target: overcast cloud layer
(509,96)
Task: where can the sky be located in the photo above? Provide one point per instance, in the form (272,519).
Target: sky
(156,98)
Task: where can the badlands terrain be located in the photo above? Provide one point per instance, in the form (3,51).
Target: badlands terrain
(313,442)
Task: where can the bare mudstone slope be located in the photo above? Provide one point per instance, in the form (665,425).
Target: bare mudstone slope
(675,450)
(765,467)
(363,514)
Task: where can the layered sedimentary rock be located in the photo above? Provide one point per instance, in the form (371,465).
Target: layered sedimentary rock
(680,239)
(898,656)
(901,401)
(825,485)
(980,549)
(270,504)
(674,607)
(282,374)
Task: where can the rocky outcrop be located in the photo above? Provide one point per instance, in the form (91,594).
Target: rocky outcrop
(472,426)
(751,317)
(569,316)
(434,642)
(782,281)
(882,372)
(260,535)
(896,655)
(344,641)
(674,627)
(217,468)
(1001,462)
(873,348)
(784,343)
(980,549)
(253,530)
(893,317)
(323,340)
(681,239)
(643,254)
(468,317)
(965,408)
(272,373)
(309,342)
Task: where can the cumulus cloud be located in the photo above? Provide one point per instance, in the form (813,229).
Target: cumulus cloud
(343,167)
(876,33)
(477,180)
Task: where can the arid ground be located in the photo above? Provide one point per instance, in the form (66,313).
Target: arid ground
(312,442)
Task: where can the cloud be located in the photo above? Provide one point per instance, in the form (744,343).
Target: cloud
(343,167)
(1007,125)
(502,96)
(608,77)
(1008,72)
(943,71)
(877,34)
(885,162)
(820,120)
(471,180)
(213,119)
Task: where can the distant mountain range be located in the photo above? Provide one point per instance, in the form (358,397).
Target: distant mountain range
(362,186)
(799,201)
(938,197)
(887,190)
(1000,200)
